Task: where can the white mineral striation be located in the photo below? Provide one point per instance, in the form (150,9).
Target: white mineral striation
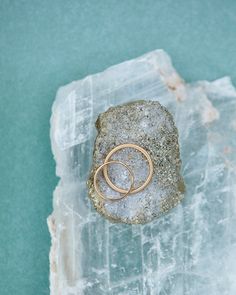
(191,250)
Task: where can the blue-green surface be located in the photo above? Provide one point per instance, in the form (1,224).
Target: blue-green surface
(45,44)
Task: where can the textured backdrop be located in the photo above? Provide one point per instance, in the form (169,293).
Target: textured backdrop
(45,44)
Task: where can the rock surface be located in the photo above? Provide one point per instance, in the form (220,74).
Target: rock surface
(192,249)
(151,126)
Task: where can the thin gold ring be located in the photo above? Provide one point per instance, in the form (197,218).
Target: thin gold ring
(126,192)
(150,163)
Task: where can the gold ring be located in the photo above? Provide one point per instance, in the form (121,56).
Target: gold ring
(140,149)
(126,192)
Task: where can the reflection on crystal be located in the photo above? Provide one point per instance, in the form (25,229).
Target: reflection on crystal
(192,249)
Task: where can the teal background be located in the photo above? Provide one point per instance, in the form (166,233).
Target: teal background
(45,44)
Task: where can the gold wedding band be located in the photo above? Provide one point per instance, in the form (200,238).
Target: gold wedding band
(125,192)
(150,164)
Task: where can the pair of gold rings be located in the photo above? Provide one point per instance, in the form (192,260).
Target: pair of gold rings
(123,192)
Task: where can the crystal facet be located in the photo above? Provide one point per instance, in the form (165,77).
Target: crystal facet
(192,249)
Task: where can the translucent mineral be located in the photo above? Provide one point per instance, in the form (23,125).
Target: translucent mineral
(151,126)
(191,249)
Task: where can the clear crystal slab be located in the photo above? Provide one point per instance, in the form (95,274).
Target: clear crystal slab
(191,250)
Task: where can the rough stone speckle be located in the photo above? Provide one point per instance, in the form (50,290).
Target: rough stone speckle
(149,125)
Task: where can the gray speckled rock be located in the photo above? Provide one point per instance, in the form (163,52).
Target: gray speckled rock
(149,125)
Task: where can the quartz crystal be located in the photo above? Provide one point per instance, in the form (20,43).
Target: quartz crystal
(151,126)
(192,249)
